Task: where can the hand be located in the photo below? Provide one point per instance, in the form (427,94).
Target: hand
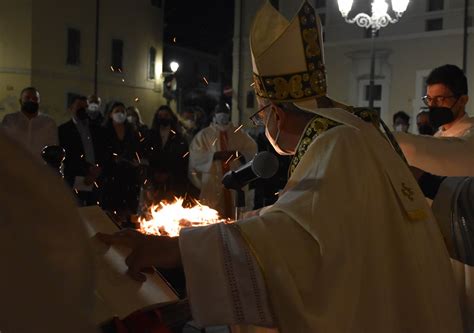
(147,251)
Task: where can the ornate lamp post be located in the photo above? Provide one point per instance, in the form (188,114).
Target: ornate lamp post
(379,19)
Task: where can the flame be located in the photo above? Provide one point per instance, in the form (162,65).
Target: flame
(167,219)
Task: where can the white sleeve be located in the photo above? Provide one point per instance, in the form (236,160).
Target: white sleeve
(225,285)
(439,156)
(200,155)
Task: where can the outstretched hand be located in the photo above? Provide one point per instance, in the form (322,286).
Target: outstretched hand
(147,251)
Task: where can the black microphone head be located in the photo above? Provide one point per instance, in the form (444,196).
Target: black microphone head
(265,165)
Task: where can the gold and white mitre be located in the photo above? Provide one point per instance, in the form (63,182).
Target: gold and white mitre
(288,57)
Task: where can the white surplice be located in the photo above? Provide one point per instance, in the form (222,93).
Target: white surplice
(46,284)
(34,134)
(449,153)
(350,246)
(206,173)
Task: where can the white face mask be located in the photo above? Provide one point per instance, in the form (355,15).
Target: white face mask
(401,128)
(119,117)
(93,107)
(189,123)
(131,119)
(274,142)
(221,118)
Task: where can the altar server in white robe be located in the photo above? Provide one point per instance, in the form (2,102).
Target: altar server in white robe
(451,151)
(46,283)
(215,150)
(350,245)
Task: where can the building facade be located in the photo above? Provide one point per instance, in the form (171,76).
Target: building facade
(429,34)
(199,74)
(52,45)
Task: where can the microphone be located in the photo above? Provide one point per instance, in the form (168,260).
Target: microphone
(264,165)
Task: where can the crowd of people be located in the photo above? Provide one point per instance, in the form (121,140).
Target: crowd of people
(114,160)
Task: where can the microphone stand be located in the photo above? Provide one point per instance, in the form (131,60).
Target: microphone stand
(239,203)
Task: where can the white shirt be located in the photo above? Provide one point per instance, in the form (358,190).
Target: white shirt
(33,134)
(449,153)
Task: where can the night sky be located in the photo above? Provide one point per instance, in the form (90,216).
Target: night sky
(205,25)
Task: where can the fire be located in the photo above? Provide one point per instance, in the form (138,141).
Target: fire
(167,219)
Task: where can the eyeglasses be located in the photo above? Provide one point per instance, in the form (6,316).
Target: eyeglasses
(258,118)
(437,100)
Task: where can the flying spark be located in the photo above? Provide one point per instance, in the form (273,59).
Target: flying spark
(136,99)
(95,184)
(205,80)
(214,142)
(186,154)
(112,68)
(229,159)
(252,84)
(238,128)
(173,132)
(138,157)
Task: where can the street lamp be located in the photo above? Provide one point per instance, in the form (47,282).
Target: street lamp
(379,19)
(174,66)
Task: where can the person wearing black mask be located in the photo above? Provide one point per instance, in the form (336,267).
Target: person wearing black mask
(444,164)
(450,151)
(423,123)
(168,157)
(82,143)
(31,128)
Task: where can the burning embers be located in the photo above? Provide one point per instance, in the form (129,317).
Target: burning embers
(167,219)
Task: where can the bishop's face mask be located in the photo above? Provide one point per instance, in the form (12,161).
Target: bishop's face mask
(440,115)
(274,141)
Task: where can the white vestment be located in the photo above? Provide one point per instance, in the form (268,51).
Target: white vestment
(46,283)
(206,173)
(350,246)
(449,153)
(34,134)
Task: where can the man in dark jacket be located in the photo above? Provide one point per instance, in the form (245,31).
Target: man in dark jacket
(82,142)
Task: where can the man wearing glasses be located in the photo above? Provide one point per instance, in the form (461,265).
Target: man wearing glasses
(451,151)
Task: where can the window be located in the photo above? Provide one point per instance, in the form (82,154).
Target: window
(275,3)
(433,5)
(377,92)
(319,4)
(73,47)
(250,100)
(434,24)
(117,55)
(151,63)
(156,3)
(368,33)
